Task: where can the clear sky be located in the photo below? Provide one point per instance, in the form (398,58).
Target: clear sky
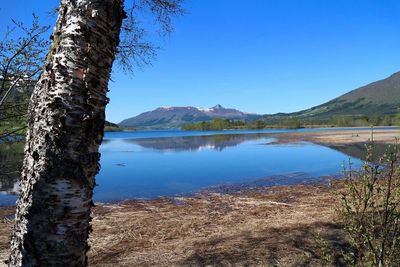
(261,56)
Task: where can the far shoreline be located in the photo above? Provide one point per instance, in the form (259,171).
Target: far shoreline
(323,136)
(342,136)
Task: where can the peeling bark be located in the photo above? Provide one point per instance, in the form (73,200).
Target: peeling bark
(66,119)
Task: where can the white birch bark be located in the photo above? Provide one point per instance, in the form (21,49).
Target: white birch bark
(66,119)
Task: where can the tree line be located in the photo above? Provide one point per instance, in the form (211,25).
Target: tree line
(293,123)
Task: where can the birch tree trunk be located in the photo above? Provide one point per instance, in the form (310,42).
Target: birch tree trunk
(66,119)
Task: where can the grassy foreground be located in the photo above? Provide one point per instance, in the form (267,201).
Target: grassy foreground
(276,226)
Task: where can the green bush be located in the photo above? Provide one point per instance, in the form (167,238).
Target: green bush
(369,210)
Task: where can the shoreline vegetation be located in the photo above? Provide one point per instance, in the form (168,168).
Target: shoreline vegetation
(13,129)
(279,226)
(113,127)
(293,123)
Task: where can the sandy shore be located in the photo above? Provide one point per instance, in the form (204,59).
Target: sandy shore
(341,137)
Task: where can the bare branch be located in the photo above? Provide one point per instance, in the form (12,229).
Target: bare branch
(137,48)
(12,132)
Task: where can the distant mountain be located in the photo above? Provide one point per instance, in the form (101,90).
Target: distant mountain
(375,99)
(378,98)
(175,117)
(110,124)
(111,127)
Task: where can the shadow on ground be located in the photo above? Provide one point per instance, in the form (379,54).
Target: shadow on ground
(301,246)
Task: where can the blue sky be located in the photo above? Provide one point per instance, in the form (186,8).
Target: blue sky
(262,56)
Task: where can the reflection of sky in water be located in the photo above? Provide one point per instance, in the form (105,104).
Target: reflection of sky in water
(150,164)
(154,167)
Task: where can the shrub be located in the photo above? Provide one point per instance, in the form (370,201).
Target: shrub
(369,210)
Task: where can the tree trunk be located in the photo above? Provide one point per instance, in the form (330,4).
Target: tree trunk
(66,119)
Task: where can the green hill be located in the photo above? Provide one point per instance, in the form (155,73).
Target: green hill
(376,99)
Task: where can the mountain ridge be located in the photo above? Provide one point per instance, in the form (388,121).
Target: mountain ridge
(378,98)
(175,117)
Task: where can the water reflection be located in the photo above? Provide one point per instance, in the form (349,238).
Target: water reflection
(152,167)
(194,143)
(161,166)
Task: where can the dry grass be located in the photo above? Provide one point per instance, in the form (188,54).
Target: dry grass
(271,227)
(277,227)
(6,214)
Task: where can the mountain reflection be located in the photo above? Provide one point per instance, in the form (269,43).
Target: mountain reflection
(195,143)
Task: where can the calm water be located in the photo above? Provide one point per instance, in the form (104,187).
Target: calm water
(168,163)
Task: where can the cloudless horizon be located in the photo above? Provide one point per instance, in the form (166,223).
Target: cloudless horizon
(256,56)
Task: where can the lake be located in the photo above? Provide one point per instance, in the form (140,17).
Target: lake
(151,164)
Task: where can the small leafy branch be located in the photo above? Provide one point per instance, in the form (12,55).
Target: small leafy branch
(369,210)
